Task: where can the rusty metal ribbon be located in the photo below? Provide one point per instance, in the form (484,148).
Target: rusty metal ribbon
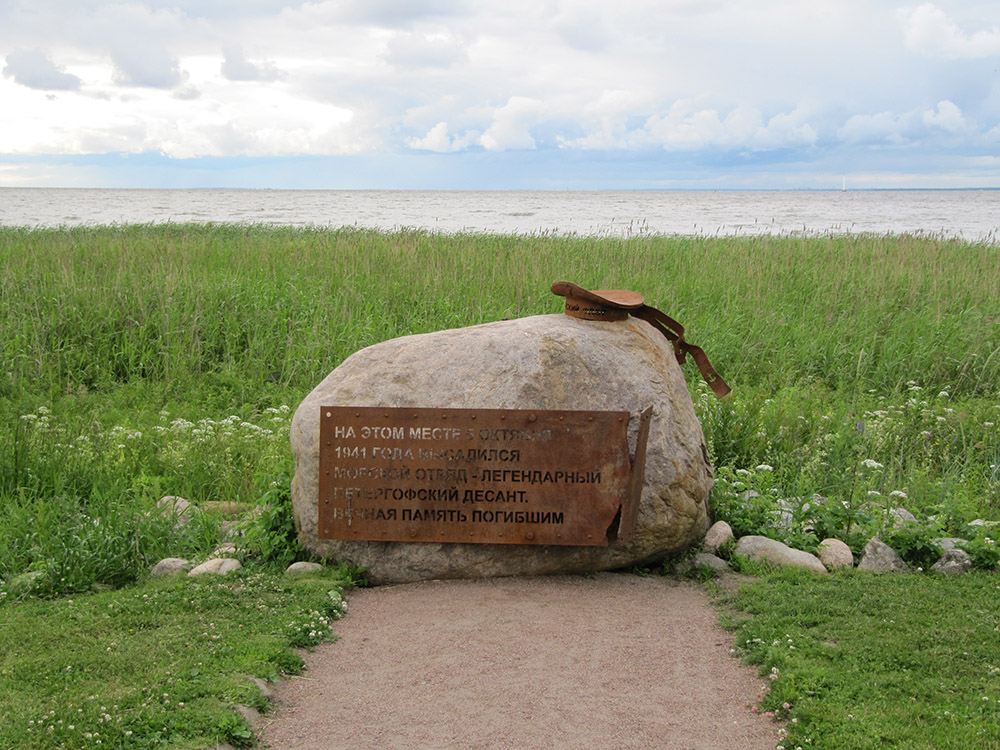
(618,304)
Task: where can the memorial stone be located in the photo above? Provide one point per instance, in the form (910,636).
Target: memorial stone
(507,448)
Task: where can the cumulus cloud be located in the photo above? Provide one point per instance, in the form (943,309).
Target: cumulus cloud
(686,128)
(438,139)
(785,130)
(511,128)
(883,127)
(947,117)
(896,129)
(236,67)
(34,69)
(137,64)
(187,93)
(929,30)
(605,121)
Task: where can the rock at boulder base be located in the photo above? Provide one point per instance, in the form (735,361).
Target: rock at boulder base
(719,534)
(303,567)
(170,566)
(947,543)
(879,557)
(953,562)
(701,560)
(542,362)
(218,565)
(770,550)
(833,553)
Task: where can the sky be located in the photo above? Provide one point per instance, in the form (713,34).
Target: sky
(500,94)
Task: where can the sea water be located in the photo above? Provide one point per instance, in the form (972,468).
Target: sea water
(972,215)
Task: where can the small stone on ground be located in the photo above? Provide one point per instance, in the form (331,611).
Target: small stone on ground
(769,550)
(833,553)
(719,534)
(879,557)
(953,562)
(170,566)
(217,565)
(303,567)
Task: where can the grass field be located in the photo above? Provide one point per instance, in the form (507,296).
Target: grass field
(143,361)
(857,660)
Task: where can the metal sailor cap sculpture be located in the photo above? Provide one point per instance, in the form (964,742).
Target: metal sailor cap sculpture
(618,304)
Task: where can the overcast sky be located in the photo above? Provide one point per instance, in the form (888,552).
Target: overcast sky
(579,94)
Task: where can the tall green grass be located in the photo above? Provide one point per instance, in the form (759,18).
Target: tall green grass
(95,308)
(112,339)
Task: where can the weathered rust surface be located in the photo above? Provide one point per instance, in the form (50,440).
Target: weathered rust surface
(478,475)
(630,510)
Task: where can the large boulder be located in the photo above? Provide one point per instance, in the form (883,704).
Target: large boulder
(543,362)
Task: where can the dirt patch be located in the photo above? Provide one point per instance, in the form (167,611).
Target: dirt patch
(604,661)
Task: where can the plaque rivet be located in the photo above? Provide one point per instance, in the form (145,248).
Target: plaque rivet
(329,414)
(530,535)
(326,531)
(532,417)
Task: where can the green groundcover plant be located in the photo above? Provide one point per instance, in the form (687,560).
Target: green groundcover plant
(857,660)
(162,664)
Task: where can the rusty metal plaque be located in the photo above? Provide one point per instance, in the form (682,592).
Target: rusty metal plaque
(493,476)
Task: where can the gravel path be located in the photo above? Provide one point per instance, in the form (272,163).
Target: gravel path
(607,661)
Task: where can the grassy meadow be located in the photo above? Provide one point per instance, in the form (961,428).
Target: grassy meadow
(142,361)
